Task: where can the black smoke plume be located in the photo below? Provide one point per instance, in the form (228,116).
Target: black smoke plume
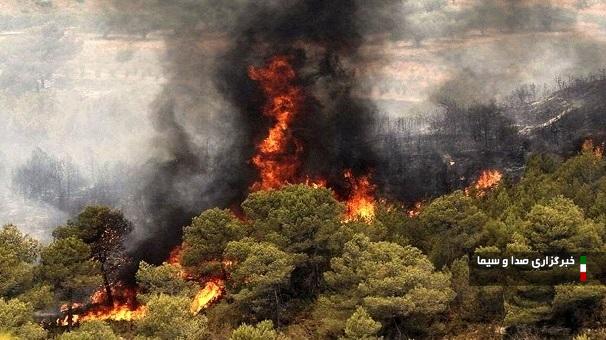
(206,138)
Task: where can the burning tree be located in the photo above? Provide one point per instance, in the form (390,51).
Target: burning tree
(67,265)
(103,230)
(278,155)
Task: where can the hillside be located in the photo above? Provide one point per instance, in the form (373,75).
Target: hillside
(567,117)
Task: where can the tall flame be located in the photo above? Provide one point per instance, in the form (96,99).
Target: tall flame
(488,179)
(277,155)
(212,290)
(361,203)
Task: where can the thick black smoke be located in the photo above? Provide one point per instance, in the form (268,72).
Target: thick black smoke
(206,138)
(320,37)
(208,118)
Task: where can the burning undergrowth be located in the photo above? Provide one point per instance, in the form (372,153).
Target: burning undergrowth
(122,306)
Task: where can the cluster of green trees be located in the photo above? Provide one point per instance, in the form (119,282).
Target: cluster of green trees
(294,270)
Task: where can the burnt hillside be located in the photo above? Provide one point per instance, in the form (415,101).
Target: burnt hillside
(569,116)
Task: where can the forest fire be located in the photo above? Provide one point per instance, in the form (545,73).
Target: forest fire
(588,146)
(416,210)
(277,155)
(124,308)
(119,312)
(361,202)
(175,255)
(212,291)
(488,179)
(174,258)
(65,309)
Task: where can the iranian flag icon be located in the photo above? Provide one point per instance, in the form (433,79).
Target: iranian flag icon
(583,261)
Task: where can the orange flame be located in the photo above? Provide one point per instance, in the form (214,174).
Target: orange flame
(174,256)
(210,293)
(488,179)
(277,155)
(124,307)
(316,183)
(64,309)
(119,312)
(65,320)
(416,210)
(588,147)
(361,203)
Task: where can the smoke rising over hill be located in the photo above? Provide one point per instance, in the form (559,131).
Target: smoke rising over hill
(177,135)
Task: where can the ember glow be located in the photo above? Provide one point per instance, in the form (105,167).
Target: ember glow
(175,255)
(416,210)
(125,306)
(277,156)
(212,291)
(64,321)
(119,312)
(361,203)
(488,179)
(598,150)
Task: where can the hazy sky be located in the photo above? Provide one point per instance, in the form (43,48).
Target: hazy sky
(67,89)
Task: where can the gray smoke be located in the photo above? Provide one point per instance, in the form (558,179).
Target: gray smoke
(169,131)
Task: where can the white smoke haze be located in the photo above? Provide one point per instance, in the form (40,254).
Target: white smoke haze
(117,87)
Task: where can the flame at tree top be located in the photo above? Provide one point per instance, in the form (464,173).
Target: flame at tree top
(488,179)
(361,202)
(277,156)
(212,291)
